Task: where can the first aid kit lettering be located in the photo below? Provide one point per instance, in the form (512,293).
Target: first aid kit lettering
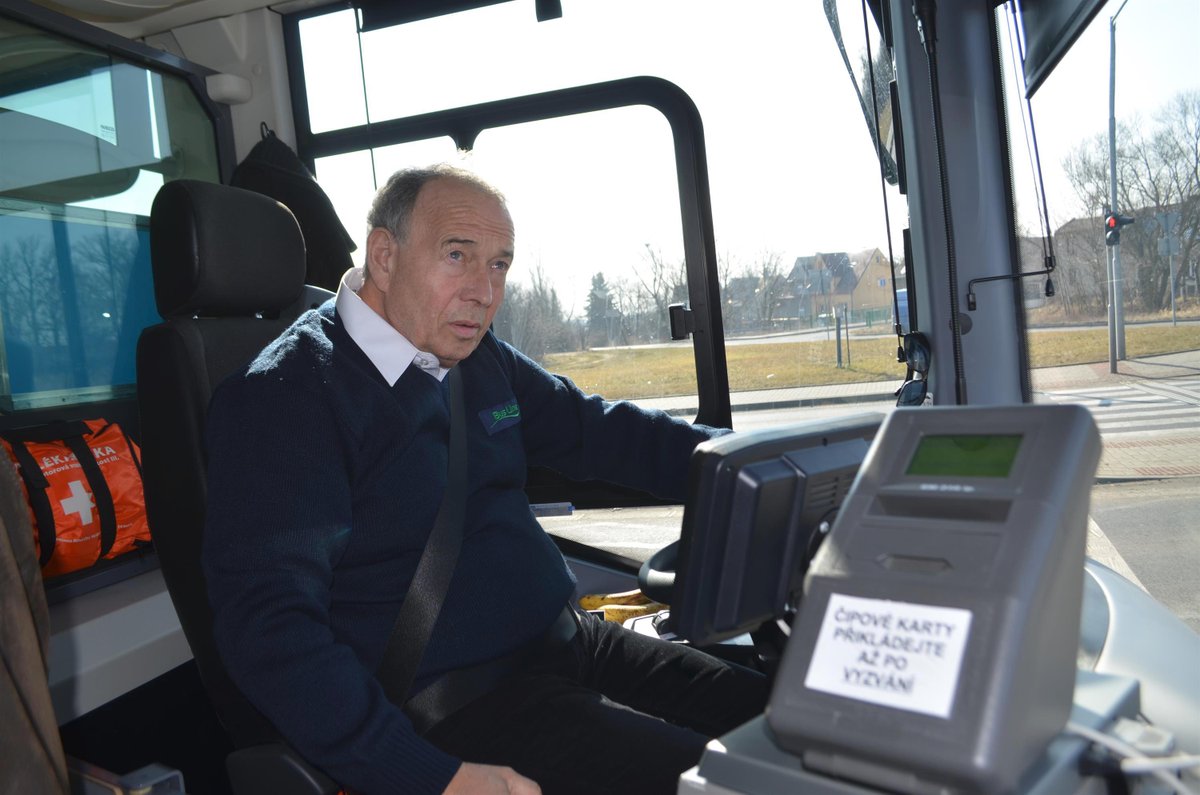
(51,461)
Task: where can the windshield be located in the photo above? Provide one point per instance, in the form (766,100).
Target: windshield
(796,200)
(1137,73)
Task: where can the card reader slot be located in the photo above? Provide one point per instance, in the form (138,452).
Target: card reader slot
(928,506)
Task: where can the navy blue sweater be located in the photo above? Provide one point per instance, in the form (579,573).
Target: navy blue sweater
(324,482)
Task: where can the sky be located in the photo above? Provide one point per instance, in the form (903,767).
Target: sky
(790,161)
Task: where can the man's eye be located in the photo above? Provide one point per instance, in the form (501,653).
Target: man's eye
(456,255)
(500,266)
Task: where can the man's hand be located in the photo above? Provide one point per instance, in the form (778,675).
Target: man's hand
(472,779)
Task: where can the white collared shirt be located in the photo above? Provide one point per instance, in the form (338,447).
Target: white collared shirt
(388,349)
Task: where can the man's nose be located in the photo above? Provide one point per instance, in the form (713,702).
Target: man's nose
(477,286)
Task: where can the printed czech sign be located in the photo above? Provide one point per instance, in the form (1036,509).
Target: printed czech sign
(895,654)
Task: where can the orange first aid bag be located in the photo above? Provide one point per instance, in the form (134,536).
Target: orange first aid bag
(83,482)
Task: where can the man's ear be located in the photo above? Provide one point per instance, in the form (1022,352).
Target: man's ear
(381,245)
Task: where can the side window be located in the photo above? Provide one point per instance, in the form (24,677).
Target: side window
(588,293)
(599,240)
(350,179)
(86,140)
(598,269)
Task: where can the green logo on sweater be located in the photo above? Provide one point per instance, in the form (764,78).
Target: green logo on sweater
(508,412)
(497,418)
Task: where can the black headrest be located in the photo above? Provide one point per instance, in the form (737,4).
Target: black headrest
(219,251)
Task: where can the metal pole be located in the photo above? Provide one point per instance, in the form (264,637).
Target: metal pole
(849,314)
(1116,299)
(837,322)
(1171,277)
(1112,317)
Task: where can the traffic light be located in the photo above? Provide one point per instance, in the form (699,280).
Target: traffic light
(1112,227)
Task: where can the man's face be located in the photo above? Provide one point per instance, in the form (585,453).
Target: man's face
(442,285)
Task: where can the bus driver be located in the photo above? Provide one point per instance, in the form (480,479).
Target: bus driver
(309,553)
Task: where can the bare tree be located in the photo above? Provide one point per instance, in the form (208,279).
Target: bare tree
(771,284)
(1178,144)
(1087,170)
(725,266)
(531,317)
(1158,172)
(33,314)
(727,283)
(627,310)
(665,283)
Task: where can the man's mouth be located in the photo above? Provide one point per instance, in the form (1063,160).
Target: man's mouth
(465,329)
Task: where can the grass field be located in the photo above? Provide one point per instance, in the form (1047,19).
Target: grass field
(659,372)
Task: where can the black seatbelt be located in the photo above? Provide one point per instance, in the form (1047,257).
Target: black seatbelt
(423,602)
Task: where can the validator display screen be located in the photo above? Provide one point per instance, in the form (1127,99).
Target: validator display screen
(965,455)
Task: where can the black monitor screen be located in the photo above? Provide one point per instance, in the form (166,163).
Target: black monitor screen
(750,524)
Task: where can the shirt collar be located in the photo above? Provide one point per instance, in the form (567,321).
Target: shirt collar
(388,349)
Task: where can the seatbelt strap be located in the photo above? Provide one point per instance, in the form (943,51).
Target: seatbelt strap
(423,602)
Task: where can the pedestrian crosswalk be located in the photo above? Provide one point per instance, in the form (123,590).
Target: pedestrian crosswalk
(1141,407)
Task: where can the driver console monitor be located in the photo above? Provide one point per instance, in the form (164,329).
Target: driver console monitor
(758,507)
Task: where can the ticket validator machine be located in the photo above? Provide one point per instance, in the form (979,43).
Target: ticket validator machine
(934,648)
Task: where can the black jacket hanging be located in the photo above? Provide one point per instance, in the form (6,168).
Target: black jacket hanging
(274,170)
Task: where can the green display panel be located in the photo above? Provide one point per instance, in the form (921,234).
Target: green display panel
(962,455)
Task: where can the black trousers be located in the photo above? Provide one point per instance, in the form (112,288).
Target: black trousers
(612,711)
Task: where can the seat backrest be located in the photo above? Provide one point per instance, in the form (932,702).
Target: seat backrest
(228,270)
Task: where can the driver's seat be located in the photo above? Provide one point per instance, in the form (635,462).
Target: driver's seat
(228,270)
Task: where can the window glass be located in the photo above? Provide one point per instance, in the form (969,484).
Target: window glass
(1151,94)
(349,182)
(333,71)
(390,159)
(800,237)
(1142,358)
(86,140)
(596,271)
(593,275)
(351,179)
(82,103)
(801,243)
(385,161)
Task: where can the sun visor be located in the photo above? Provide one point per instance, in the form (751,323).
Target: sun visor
(1050,27)
(378,14)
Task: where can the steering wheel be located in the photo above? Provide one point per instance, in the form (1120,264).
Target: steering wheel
(656,577)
